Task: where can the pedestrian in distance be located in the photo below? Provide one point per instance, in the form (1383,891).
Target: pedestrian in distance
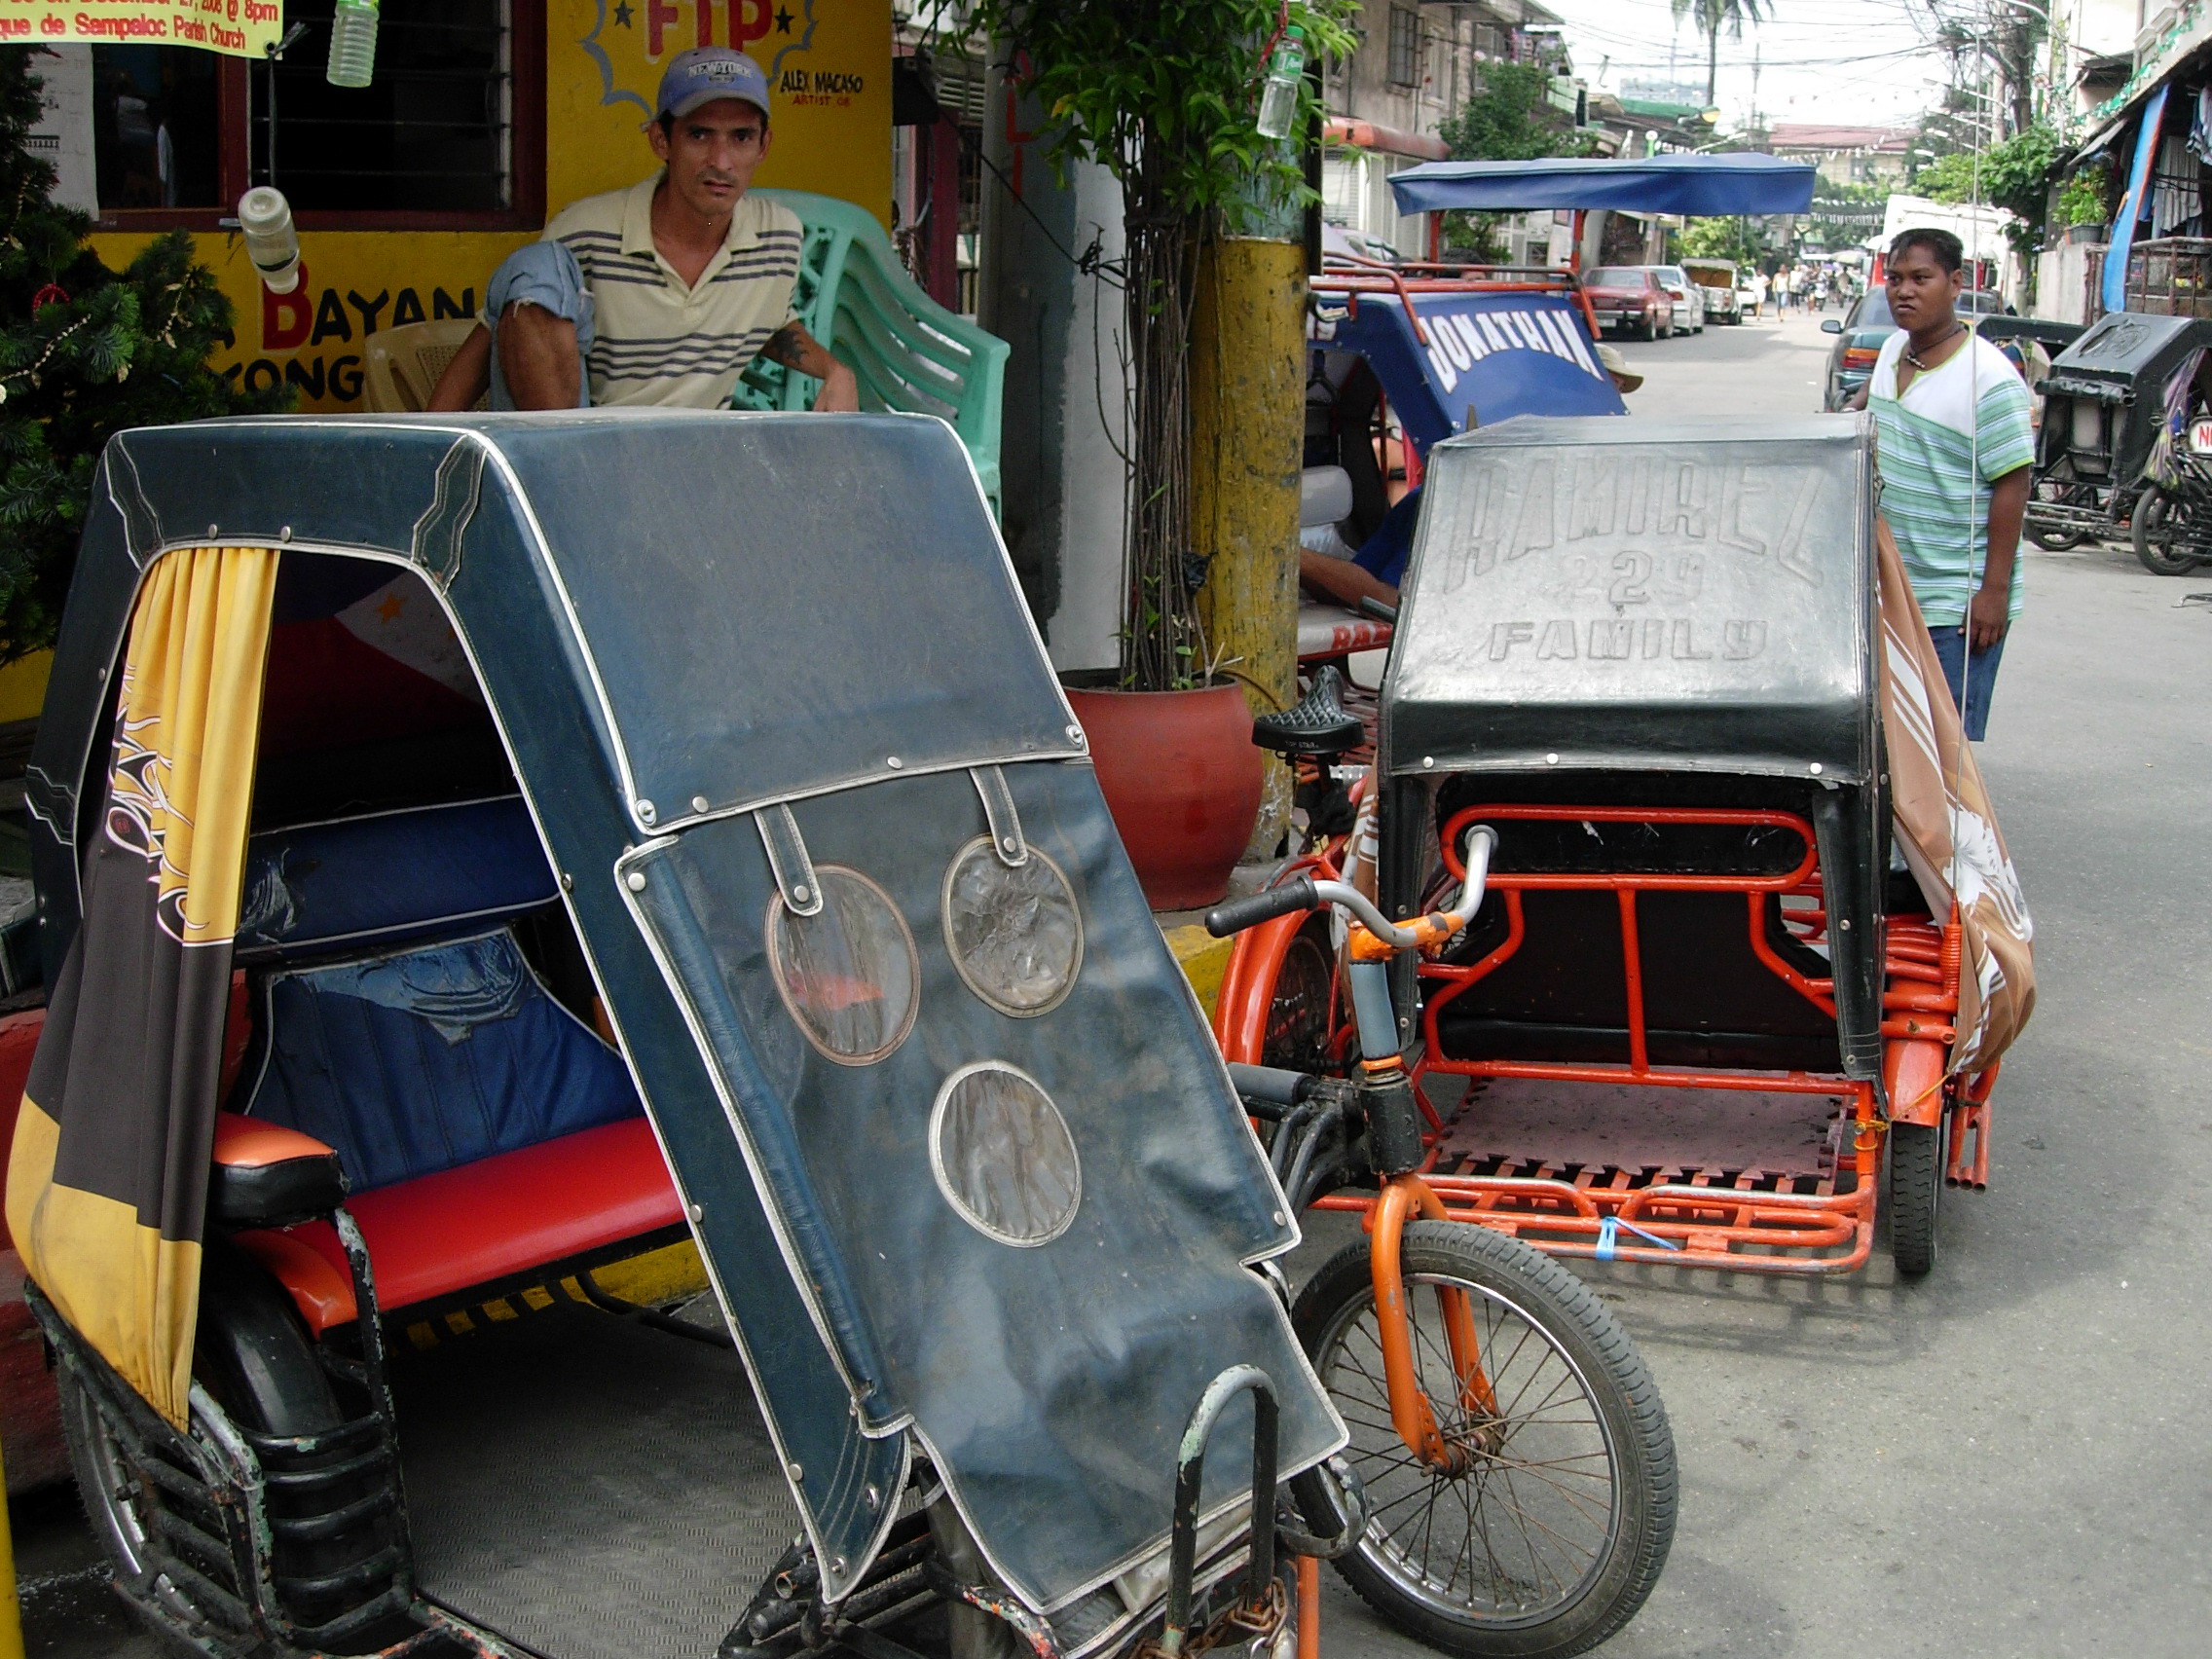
(1954,445)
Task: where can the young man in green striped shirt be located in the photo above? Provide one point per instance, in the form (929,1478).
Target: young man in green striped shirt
(1954,446)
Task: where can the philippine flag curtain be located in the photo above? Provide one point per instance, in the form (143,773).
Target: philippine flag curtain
(1948,829)
(107,1184)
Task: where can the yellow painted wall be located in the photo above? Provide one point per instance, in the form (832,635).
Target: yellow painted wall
(829,74)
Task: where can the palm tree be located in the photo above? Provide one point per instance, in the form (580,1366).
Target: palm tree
(1711,18)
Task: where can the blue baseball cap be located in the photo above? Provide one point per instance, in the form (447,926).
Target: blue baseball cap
(701,74)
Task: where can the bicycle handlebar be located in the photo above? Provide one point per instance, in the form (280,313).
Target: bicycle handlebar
(1304,893)
(1237,915)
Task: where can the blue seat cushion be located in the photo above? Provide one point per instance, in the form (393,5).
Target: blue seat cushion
(356,883)
(421,1060)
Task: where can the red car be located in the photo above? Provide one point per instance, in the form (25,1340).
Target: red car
(1630,297)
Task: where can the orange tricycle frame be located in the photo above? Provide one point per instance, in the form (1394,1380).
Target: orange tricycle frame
(1739,1223)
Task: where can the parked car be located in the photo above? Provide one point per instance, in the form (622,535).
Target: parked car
(1628,297)
(1717,280)
(1337,242)
(1860,332)
(1688,297)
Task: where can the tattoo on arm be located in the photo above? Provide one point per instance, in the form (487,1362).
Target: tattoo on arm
(796,348)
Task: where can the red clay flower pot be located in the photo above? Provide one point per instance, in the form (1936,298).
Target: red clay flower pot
(1183,782)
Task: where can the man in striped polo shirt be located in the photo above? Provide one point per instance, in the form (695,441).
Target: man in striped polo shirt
(661,293)
(1954,445)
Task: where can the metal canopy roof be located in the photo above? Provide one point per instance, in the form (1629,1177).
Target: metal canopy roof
(1693,185)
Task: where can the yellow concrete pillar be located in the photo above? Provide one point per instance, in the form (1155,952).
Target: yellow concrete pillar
(11,1622)
(1247,448)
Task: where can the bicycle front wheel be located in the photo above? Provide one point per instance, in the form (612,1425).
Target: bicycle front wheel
(1554,1520)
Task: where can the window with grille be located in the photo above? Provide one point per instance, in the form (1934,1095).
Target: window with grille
(1404,47)
(433,133)
(447,136)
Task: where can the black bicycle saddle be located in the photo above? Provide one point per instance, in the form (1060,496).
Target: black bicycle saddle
(1319,725)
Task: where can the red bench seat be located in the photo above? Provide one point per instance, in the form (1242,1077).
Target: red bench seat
(438,1235)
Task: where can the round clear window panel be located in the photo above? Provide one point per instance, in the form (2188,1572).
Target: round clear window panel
(1003,1155)
(849,973)
(1014,932)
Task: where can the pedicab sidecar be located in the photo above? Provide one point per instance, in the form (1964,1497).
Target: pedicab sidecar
(1654,662)
(2117,453)
(474,852)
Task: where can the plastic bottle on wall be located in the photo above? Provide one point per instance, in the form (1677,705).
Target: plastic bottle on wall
(352,44)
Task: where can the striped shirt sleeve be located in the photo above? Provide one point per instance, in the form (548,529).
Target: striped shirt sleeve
(2005,441)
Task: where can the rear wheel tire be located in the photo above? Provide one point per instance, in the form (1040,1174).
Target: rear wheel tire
(2056,540)
(1650,330)
(1551,1538)
(1916,1191)
(257,1362)
(2155,530)
(1298,1009)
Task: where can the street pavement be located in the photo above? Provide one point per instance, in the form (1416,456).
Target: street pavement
(2011,1456)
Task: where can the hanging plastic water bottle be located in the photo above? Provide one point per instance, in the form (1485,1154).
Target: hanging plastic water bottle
(1278,98)
(265,219)
(352,44)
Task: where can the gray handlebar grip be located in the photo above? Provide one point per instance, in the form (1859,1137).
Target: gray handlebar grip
(1271,1083)
(1237,915)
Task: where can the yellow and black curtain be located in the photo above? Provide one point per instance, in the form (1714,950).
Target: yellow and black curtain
(107,1184)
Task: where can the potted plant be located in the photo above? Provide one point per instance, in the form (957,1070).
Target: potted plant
(2081,205)
(1166,94)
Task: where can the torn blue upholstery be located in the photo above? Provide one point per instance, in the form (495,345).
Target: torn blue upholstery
(425,1059)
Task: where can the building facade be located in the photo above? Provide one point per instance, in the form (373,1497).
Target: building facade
(1416,66)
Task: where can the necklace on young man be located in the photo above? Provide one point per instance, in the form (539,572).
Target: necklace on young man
(1946,341)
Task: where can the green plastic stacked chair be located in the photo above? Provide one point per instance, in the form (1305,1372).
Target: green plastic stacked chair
(907,351)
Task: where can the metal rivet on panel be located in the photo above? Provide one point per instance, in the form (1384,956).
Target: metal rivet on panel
(284,534)
(645,812)
(794,1471)
(699,803)
(636,880)
(894,762)
(210,533)
(874,1499)
(1010,844)
(1075,735)
(1278,1218)
(698,1211)
(1816,768)
(1847,924)
(1551,759)
(837,1563)
(568,882)
(802,893)
(1429,760)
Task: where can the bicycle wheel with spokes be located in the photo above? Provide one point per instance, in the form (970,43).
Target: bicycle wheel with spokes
(1298,1013)
(1552,1523)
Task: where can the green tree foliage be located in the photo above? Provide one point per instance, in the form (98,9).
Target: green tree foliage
(1509,117)
(1845,215)
(1712,17)
(2087,198)
(84,354)
(1734,239)
(1166,94)
(2014,175)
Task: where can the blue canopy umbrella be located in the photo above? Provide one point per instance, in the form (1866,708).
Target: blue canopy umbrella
(1698,186)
